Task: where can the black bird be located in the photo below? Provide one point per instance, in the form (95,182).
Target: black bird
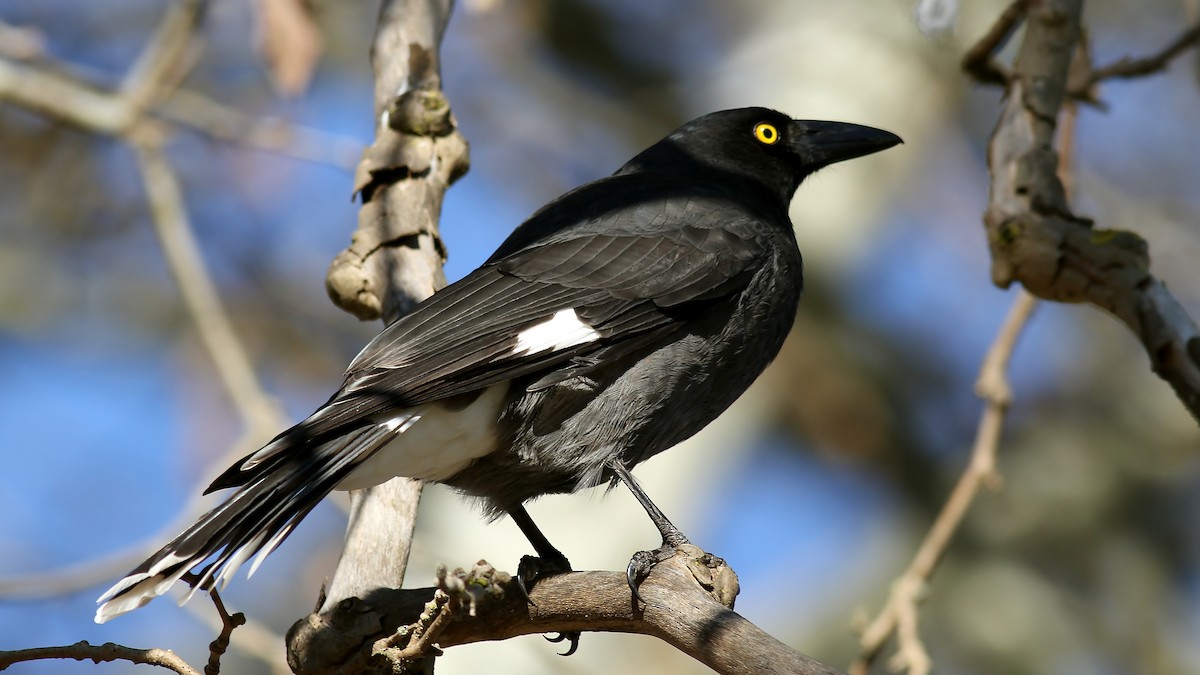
(617,321)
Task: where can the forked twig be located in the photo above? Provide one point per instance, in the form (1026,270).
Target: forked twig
(980,60)
(899,614)
(217,648)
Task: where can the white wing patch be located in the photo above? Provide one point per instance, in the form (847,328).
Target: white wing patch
(560,331)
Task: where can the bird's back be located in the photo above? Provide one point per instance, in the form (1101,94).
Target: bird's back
(648,397)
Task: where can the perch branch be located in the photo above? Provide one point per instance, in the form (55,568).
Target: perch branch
(687,605)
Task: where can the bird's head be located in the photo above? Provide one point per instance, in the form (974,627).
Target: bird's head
(762,146)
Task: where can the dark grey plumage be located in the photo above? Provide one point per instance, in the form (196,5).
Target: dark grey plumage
(617,321)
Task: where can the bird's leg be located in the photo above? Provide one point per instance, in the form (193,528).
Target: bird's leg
(549,561)
(643,561)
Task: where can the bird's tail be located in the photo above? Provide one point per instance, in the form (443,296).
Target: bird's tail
(272,498)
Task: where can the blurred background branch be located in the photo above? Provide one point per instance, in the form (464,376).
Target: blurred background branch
(165,61)
(899,615)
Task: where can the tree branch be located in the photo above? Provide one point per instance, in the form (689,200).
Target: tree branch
(980,61)
(1034,237)
(260,413)
(52,92)
(229,622)
(83,651)
(1149,65)
(127,114)
(254,638)
(104,568)
(688,605)
(395,256)
(899,614)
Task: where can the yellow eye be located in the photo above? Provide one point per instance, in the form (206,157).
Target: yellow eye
(766,133)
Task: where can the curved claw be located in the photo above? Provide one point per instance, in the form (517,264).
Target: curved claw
(642,562)
(524,591)
(572,636)
(631,578)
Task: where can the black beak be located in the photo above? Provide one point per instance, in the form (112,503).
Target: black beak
(823,143)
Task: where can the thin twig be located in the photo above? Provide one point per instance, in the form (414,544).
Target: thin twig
(201,113)
(1149,65)
(167,57)
(127,113)
(229,622)
(1033,235)
(253,638)
(900,614)
(992,386)
(48,89)
(88,573)
(104,568)
(417,638)
(83,651)
(236,371)
(980,61)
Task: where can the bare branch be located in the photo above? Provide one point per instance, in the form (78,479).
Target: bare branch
(408,647)
(900,613)
(105,568)
(980,61)
(261,414)
(63,98)
(395,256)
(82,651)
(1149,65)
(76,577)
(167,57)
(253,638)
(682,608)
(1034,237)
(201,113)
(159,67)
(49,90)
(228,623)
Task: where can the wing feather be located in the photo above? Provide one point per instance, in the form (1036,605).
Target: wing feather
(624,279)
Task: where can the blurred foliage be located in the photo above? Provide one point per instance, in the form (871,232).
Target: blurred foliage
(1085,561)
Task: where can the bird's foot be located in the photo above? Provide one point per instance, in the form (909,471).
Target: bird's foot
(529,571)
(712,573)
(643,562)
(532,568)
